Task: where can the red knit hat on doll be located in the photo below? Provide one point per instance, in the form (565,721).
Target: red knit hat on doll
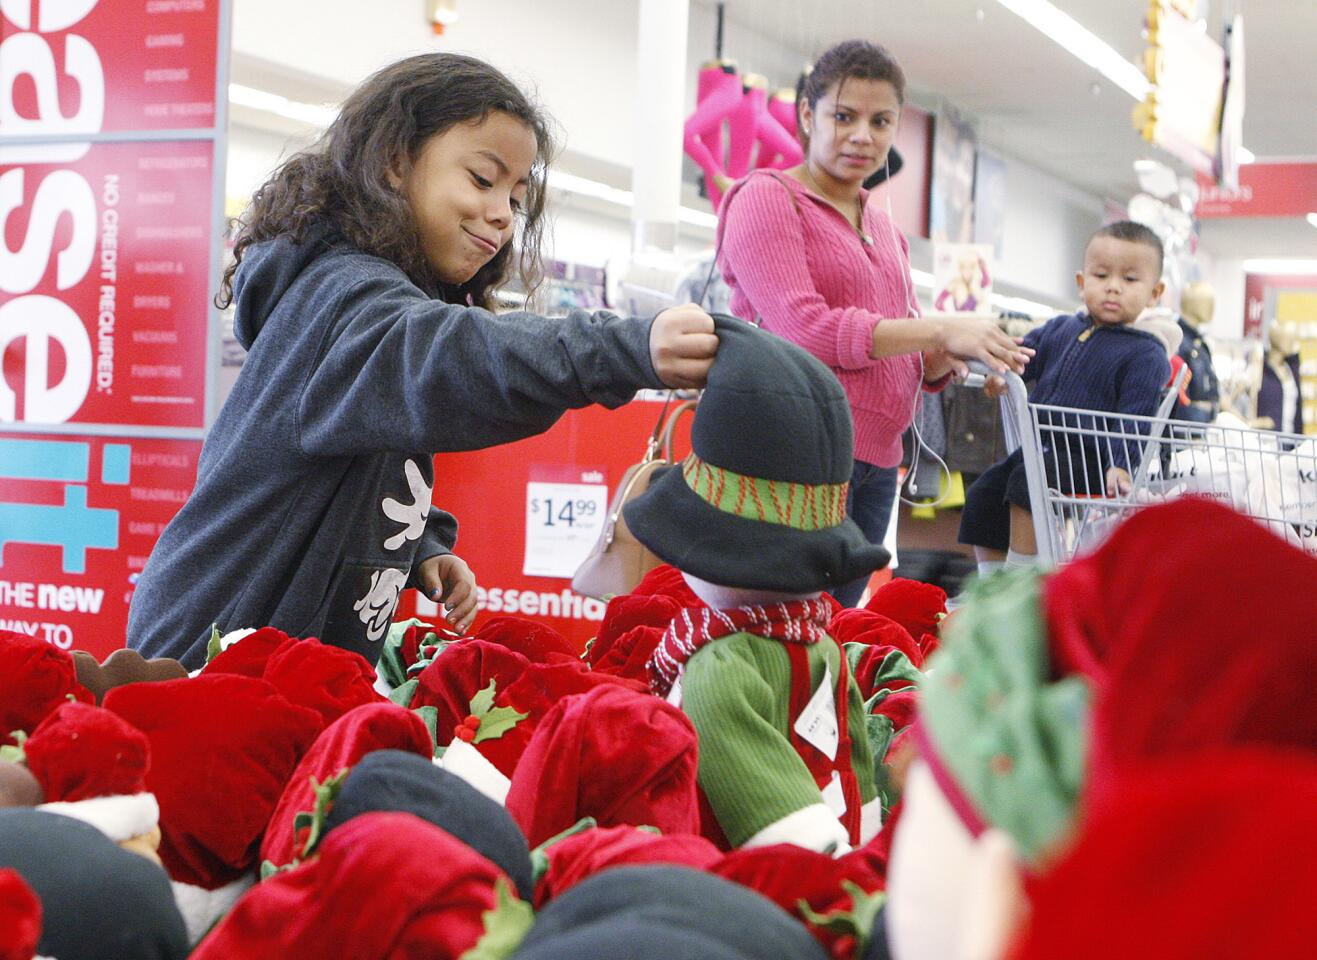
(383,886)
(222,750)
(621,757)
(92,766)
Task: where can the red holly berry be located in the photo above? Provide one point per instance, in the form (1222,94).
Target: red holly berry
(473,722)
(465,733)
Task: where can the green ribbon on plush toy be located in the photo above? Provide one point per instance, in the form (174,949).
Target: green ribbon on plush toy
(801,506)
(1004,738)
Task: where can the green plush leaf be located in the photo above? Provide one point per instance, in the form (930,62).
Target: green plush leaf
(483,701)
(13,753)
(430,716)
(854,654)
(646,828)
(497,722)
(213,649)
(895,666)
(505,926)
(858,921)
(539,857)
(391,666)
(325,795)
(880,733)
(402,694)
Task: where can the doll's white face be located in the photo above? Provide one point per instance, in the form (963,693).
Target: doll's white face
(928,875)
(950,896)
(724,598)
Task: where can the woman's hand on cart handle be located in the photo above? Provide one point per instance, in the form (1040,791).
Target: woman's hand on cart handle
(979,338)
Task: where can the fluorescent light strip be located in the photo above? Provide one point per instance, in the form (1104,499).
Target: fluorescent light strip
(1082,43)
(570,183)
(1021,305)
(1312,219)
(316,116)
(1282,266)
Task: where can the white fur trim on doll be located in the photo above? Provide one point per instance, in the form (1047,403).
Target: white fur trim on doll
(119,817)
(871,820)
(951,896)
(470,764)
(814,827)
(201,909)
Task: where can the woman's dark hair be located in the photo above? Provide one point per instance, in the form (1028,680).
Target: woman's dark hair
(851,58)
(342,180)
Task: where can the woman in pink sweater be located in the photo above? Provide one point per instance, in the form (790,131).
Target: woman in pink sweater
(809,260)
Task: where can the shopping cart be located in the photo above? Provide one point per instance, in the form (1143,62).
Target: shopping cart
(1271,477)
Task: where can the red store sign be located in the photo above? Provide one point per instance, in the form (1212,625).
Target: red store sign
(78,518)
(87,66)
(104,285)
(111,156)
(1265,190)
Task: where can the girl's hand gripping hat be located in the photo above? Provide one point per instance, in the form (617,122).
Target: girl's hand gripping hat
(760,503)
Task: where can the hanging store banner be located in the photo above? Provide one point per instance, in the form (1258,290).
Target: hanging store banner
(78,518)
(1265,190)
(93,66)
(105,283)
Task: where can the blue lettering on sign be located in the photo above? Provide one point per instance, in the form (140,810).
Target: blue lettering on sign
(73,527)
(44,460)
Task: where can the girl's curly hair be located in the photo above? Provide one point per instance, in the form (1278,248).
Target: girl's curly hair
(342,179)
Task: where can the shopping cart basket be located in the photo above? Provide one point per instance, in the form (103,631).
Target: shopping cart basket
(1271,477)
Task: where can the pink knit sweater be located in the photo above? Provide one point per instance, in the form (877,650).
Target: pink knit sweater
(803,271)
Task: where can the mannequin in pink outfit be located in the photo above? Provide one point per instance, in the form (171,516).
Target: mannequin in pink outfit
(718,94)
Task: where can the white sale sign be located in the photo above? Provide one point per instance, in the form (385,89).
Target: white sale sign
(563,521)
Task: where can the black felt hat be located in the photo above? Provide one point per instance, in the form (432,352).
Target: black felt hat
(760,502)
(98,901)
(395,780)
(696,914)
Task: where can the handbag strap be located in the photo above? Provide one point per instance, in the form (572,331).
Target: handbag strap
(686,406)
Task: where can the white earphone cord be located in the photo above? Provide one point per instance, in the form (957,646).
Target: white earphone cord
(919,445)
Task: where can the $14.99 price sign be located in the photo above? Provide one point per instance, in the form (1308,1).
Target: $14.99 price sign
(563,521)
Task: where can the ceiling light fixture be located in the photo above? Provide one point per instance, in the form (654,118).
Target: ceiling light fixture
(1312,218)
(1082,43)
(1282,266)
(313,114)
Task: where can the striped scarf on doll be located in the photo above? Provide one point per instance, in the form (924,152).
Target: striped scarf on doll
(799,621)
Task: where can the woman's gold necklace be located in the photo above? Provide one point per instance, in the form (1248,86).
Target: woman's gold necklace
(858,223)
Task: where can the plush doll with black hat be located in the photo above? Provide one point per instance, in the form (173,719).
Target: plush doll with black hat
(394,780)
(98,901)
(755,519)
(658,912)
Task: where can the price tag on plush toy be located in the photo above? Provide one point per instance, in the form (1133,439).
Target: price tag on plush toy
(563,521)
(817,723)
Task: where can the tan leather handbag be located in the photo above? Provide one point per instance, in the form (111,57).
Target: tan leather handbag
(619,561)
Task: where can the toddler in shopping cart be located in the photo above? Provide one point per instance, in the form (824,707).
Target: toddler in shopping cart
(1103,359)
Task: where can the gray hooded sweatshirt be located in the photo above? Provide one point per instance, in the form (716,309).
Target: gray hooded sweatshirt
(311,509)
